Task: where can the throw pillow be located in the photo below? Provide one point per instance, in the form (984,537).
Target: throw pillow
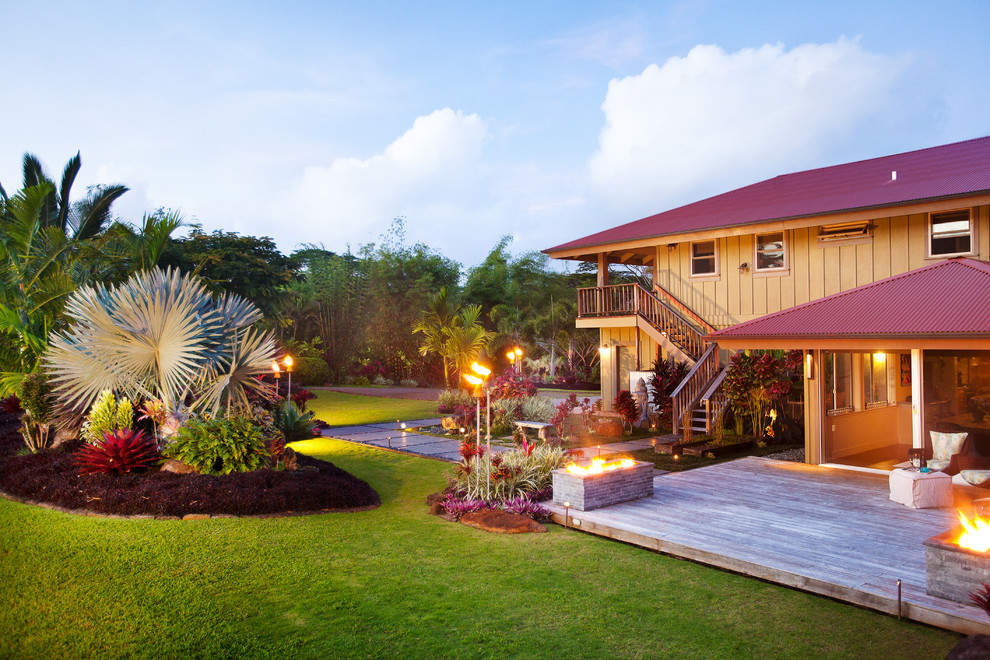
(944,445)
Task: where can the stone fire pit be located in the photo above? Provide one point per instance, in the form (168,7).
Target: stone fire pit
(953,571)
(595,490)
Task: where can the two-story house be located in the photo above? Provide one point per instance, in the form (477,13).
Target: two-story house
(787,242)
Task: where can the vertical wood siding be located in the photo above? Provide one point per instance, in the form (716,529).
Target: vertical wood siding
(898,244)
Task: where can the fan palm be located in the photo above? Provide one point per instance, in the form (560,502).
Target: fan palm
(159,335)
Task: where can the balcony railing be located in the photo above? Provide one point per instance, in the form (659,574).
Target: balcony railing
(634,300)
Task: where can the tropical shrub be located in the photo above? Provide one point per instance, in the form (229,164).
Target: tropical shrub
(457,507)
(625,405)
(361,381)
(667,375)
(382,381)
(511,385)
(36,398)
(537,409)
(218,445)
(118,452)
(107,415)
(756,382)
(293,423)
(312,371)
(504,412)
(300,397)
(159,335)
(408,382)
(448,400)
(514,473)
(11,405)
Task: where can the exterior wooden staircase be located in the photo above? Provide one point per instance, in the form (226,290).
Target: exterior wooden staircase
(681,332)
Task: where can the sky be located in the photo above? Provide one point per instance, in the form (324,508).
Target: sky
(321,122)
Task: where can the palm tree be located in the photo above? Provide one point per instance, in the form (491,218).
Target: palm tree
(160,335)
(80,220)
(467,338)
(436,324)
(34,283)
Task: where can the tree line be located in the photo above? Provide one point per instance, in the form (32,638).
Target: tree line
(388,310)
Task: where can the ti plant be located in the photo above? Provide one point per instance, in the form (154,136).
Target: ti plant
(981,597)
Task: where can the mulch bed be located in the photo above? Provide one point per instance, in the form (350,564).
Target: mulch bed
(51,477)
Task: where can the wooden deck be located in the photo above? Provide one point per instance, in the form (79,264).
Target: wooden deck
(827,531)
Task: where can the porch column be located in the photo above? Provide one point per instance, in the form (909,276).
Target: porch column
(917,399)
(602,269)
(656,268)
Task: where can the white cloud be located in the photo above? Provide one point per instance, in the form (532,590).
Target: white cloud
(712,120)
(433,172)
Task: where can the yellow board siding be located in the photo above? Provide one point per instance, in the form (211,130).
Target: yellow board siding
(898,244)
(627,337)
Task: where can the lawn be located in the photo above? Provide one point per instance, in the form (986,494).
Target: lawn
(339,409)
(396,582)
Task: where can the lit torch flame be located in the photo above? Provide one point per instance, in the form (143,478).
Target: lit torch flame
(977,534)
(599,465)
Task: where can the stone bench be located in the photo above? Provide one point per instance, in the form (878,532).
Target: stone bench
(543,431)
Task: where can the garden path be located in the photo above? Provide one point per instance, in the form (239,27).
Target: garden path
(394,436)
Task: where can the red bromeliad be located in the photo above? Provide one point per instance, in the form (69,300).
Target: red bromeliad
(118,452)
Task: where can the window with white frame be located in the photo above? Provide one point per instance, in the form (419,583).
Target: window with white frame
(704,260)
(950,233)
(875,379)
(838,383)
(771,254)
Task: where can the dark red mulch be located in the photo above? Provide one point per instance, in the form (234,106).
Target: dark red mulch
(52,477)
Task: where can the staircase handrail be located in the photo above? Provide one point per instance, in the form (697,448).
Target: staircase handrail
(689,392)
(715,400)
(669,299)
(633,299)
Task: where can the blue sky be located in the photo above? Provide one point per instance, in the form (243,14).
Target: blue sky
(319,122)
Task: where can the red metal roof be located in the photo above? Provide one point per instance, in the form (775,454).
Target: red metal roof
(947,299)
(951,170)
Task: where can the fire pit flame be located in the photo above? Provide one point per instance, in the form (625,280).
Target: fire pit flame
(976,535)
(599,465)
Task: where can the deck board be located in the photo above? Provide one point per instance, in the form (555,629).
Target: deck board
(825,530)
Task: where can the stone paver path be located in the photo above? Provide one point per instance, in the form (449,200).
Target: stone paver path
(392,435)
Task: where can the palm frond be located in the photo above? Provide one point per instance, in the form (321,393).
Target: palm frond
(90,216)
(68,178)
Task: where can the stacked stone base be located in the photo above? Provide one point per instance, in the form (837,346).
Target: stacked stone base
(954,572)
(585,492)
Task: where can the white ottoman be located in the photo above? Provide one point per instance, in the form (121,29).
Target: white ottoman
(921,490)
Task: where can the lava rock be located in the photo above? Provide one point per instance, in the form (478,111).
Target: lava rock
(610,429)
(974,647)
(177,467)
(501,522)
(289,460)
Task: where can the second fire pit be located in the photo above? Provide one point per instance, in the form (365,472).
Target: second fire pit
(602,484)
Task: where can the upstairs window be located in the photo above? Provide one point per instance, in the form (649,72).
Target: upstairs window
(845,232)
(704,261)
(770,252)
(951,234)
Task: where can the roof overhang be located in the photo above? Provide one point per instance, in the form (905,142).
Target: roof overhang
(861,344)
(590,251)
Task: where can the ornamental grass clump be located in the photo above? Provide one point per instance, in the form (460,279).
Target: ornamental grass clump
(537,409)
(516,473)
(118,452)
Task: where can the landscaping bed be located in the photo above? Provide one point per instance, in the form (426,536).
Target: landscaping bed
(52,477)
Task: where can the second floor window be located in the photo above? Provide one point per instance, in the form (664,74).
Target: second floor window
(770,252)
(703,259)
(951,234)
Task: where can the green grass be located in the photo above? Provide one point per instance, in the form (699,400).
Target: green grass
(396,582)
(338,409)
